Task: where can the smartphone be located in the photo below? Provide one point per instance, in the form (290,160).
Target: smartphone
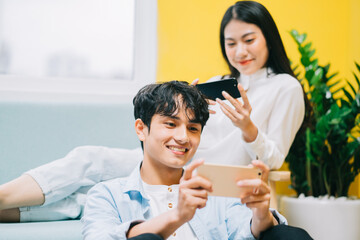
(212,90)
(224,178)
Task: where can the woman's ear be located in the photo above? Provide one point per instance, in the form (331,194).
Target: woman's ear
(140,129)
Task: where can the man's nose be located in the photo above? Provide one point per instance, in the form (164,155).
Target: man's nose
(181,135)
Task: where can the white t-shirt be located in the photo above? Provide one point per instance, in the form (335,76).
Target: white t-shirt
(164,198)
(277,110)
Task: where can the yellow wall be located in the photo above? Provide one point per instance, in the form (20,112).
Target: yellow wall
(189,43)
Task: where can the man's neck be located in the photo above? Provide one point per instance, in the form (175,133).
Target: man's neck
(156,174)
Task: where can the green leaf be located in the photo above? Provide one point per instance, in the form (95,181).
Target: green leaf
(348,95)
(327,67)
(357,79)
(333,75)
(309,75)
(301,38)
(319,158)
(357,66)
(351,86)
(317,76)
(334,84)
(307,46)
(314,64)
(344,103)
(294,33)
(305,61)
(337,90)
(311,53)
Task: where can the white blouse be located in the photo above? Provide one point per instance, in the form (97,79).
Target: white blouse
(278,110)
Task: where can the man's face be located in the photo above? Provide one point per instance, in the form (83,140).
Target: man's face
(172,140)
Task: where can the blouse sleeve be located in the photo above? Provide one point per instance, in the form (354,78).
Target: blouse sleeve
(89,165)
(285,120)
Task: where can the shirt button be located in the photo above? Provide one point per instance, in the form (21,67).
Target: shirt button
(170,205)
(169,189)
(174,234)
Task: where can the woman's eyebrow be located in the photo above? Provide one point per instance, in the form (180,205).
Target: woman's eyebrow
(243,36)
(247,34)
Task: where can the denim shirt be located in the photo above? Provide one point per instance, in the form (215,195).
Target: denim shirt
(113,205)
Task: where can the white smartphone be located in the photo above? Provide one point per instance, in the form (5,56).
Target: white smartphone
(224,178)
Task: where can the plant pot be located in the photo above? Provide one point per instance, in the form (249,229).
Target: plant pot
(324,218)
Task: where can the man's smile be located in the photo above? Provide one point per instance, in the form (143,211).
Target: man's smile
(178,149)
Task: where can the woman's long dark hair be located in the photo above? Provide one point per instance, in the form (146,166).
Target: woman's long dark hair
(255,13)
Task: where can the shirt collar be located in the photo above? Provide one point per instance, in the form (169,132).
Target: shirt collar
(134,183)
(247,80)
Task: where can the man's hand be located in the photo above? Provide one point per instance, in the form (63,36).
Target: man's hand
(258,200)
(193,192)
(192,195)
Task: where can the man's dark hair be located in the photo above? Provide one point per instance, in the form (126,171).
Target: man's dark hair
(167,98)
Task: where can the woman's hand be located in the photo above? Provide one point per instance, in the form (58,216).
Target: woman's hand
(240,114)
(209,101)
(258,200)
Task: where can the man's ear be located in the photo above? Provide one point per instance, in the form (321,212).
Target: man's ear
(140,129)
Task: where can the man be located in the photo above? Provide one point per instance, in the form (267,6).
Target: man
(162,198)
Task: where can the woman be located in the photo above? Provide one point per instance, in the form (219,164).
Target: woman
(273,101)
(262,125)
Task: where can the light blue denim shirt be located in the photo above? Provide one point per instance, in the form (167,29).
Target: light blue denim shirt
(113,205)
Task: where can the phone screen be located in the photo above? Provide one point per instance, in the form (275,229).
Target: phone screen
(213,90)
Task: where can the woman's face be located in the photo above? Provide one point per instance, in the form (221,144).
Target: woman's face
(245,46)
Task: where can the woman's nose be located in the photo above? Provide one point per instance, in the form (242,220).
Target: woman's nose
(241,51)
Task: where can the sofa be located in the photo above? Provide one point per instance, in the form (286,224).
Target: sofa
(34,133)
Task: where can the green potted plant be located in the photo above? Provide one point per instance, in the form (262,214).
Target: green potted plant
(325,156)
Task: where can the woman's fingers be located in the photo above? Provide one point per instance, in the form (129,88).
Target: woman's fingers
(244,98)
(235,102)
(196,81)
(211,102)
(228,113)
(237,113)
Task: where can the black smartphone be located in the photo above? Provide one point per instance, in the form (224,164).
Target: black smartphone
(212,90)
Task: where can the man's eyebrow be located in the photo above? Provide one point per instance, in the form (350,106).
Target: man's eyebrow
(194,121)
(173,117)
(177,118)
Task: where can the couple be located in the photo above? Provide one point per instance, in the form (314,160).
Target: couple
(161,199)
